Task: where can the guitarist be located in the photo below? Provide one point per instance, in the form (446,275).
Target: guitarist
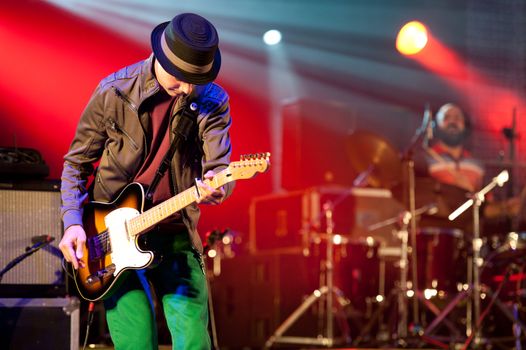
(128,126)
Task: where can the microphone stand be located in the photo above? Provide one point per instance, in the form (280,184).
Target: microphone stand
(29,251)
(511,135)
(476,201)
(407,157)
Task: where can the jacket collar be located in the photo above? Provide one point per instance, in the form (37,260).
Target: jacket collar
(150,86)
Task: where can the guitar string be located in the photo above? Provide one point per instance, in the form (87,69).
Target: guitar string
(103,240)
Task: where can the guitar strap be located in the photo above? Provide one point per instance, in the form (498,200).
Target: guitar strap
(182,131)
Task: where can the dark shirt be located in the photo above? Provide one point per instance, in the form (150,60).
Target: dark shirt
(159,138)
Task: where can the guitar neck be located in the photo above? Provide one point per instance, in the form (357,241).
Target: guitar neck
(158,213)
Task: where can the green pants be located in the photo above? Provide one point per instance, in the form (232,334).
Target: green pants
(179,284)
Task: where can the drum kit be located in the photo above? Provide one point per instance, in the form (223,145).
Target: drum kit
(444,282)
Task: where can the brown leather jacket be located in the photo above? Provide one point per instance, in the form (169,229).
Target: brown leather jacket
(112,130)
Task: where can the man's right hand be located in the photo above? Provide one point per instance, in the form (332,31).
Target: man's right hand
(72,245)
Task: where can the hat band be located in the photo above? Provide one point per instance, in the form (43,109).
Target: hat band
(188,67)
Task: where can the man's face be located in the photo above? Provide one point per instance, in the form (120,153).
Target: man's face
(452,120)
(171,84)
(451,126)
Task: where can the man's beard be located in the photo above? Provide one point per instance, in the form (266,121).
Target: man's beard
(452,139)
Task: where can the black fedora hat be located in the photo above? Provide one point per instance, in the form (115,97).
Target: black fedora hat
(187,48)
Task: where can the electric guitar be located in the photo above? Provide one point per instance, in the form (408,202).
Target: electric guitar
(113,229)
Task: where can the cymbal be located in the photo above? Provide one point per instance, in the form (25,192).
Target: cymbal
(429,190)
(446,197)
(375,157)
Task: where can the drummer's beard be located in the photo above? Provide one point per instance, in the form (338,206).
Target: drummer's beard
(452,137)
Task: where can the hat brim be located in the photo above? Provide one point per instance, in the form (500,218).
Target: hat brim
(191,78)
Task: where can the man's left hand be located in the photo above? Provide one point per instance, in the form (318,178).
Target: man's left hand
(209,195)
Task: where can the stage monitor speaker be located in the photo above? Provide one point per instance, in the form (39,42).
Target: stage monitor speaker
(29,210)
(314,144)
(47,323)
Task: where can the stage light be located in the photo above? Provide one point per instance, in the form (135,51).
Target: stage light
(227,239)
(412,38)
(272,37)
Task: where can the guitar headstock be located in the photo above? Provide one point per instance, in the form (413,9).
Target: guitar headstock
(250,165)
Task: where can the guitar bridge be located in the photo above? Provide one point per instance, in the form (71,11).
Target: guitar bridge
(100,275)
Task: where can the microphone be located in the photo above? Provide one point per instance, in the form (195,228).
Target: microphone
(427,125)
(42,239)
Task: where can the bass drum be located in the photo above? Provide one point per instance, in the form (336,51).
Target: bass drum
(357,271)
(441,259)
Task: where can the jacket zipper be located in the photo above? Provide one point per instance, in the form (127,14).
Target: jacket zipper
(118,128)
(102,185)
(134,108)
(122,170)
(125,99)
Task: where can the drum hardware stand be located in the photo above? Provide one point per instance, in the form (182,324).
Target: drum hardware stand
(518,326)
(403,220)
(402,295)
(376,317)
(474,290)
(329,291)
(436,311)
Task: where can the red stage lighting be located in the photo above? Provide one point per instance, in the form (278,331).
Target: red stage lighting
(411,38)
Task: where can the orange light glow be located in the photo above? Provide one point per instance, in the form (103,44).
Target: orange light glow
(412,38)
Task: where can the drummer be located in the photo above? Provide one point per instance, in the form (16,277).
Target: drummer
(449,161)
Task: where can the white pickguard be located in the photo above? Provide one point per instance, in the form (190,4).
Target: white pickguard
(124,250)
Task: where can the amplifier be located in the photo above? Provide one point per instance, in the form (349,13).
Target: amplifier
(285,222)
(48,323)
(20,163)
(279,222)
(27,211)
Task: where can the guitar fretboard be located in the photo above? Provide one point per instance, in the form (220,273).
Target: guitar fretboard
(153,216)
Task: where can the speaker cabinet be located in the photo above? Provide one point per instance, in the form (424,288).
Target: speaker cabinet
(255,293)
(29,210)
(286,221)
(48,323)
(314,144)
